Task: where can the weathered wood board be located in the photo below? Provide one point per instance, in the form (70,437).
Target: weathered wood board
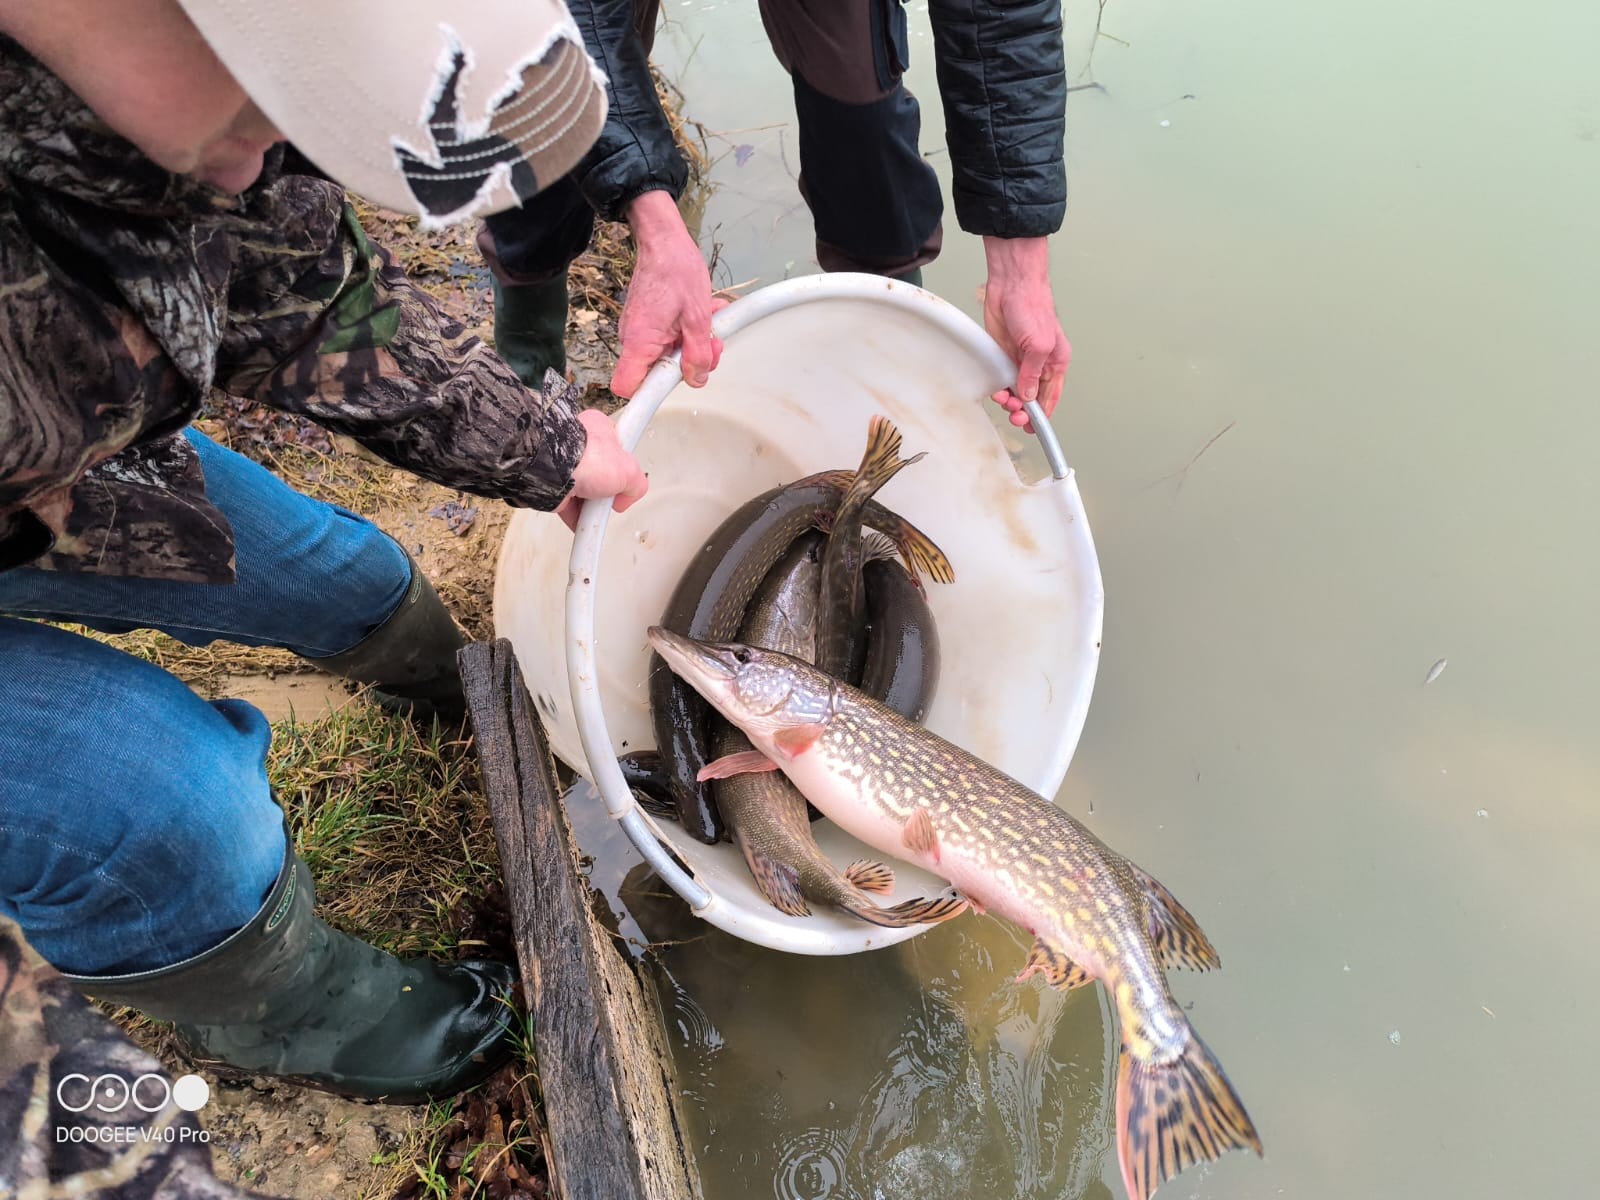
(611,1095)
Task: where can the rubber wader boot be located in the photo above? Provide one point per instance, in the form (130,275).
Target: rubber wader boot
(410,660)
(530,327)
(291,997)
(913,277)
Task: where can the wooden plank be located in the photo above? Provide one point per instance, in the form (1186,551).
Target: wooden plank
(610,1088)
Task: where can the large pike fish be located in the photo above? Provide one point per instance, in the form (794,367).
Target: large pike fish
(1093,914)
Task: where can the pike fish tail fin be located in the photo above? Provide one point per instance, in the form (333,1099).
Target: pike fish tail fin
(911,912)
(919,550)
(1172,1115)
(880,463)
(1179,940)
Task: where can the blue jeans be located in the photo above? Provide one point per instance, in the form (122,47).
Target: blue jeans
(136,824)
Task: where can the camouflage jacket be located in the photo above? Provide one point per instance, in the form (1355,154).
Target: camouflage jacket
(57,1054)
(126,292)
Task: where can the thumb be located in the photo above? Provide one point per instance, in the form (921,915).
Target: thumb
(632,366)
(1028,372)
(638,484)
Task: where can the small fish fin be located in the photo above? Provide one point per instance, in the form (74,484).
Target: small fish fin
(877,547)
(779,883)
(1172,1115)
(911,912)
(745,762)
(1177,935)
(656,806)
(794,740)
(916,547)
(1058,970)
(919,834)
(870,876)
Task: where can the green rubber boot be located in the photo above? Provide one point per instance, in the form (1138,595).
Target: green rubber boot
(290,997)
(409,660)
(913,277)
(530,327)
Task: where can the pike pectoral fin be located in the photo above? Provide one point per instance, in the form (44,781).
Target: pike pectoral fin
(1177,935)
(870,876)
(919,835)
(779,883)
(1171,1115)
(745,762)
(1058,970)
(796,739)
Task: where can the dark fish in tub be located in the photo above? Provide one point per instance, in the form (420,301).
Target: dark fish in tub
(902,664)
(1094,915)
(841,614)
(710,601)
(765,812)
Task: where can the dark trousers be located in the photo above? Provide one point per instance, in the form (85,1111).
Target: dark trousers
(874,201)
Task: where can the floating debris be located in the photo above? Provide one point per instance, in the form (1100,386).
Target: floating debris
(1435,671)
(1483,814)
(1394,1037)
(1488,1010)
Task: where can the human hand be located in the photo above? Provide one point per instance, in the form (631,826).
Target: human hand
(669,299)
(1019,312)
(605,469)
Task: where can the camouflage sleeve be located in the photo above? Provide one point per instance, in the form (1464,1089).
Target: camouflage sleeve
(83,1111)
(323,323)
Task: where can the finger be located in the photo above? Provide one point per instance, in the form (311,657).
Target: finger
(1028,374)
(697,356)
(633,491)
(1056,372)
(633,364)
(567,510)
(718,303)
(716,353)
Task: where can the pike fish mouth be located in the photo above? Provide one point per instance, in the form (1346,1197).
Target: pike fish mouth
(691,659)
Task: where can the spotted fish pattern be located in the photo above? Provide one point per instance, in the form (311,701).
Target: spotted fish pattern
(1094,915)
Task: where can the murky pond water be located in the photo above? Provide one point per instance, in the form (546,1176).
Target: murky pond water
(1359,242)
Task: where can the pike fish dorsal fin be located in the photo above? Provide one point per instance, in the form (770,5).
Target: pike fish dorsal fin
(870,876)
(744,762)
(796,739)
(919,835)
(779,883)
(1177,935)
(1058,970)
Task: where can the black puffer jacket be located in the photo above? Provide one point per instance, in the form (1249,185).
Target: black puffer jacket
(1002,77)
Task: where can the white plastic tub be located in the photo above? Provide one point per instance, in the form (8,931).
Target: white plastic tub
(806,363)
